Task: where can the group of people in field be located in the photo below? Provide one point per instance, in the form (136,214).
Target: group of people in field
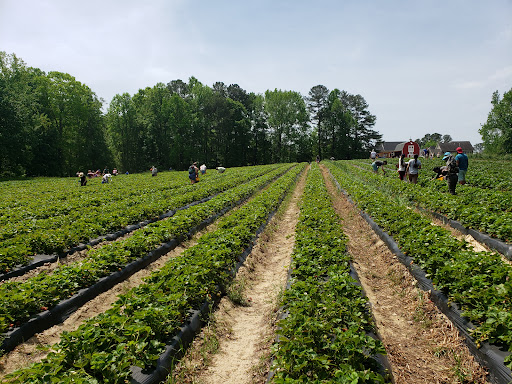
(193,171)
(454,171)
(106,176)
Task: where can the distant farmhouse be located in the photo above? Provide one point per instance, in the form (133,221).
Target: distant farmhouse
(410,148)
(451,146)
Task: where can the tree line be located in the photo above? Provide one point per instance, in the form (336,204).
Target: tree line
(53,125)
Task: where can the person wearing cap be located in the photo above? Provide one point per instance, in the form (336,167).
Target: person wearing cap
(450,170)
(462,162)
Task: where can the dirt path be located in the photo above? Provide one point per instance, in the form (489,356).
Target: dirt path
(422,344)
(245,333)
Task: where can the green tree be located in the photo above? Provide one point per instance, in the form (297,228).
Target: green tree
(18,114)
(76,123)
(431,140)
(364,136)
(124,137)
(153,115)
(182,142)
(497,131)
(286,115)
(338,125)
(179,87)
(317,104)
(260,147)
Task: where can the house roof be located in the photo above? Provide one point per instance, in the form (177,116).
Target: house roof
(389,146)
(453,145)
(400,146)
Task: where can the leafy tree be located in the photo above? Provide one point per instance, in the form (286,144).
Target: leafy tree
(153,121)
(479,147)
(338,125)
(286,113)
(364,136)
(497,131)
(236,93)
(179,87)
(181,142)
(447,138)
(430,140)
(260,147)
(123,134)
(13,92)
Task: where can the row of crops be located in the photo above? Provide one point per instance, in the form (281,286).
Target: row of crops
(475,205)
(19,301)
(479,282)
(64,214)
(326,333)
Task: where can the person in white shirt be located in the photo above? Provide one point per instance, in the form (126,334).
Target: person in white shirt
(106,178)
(413,167)
(402,166)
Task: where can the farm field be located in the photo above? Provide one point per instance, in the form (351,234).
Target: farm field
(335,328)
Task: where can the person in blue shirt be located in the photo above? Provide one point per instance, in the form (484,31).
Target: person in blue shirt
(462,162)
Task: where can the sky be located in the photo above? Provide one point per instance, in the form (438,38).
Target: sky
(423,66)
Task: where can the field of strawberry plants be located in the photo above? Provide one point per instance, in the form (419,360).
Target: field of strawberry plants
(65,214)
(135,331)
(19,301)
(476,206)
(324,336)
(480,283)
(327,333)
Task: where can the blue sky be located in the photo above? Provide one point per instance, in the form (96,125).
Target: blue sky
(422,66)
